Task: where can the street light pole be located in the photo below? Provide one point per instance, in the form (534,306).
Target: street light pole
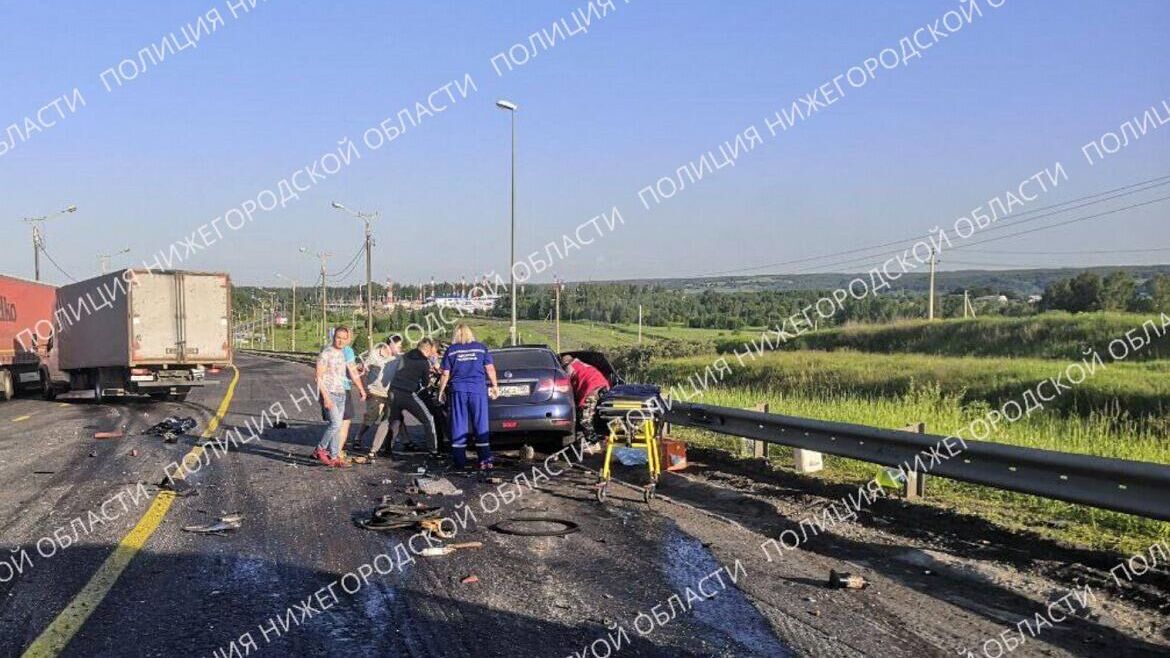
(511,108)
(369,235)
(38,238)
(323,256)
(105,259)
(293,348)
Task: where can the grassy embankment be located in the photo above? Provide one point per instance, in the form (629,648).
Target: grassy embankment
(1123,411)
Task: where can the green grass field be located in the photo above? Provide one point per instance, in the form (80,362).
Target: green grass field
(1054,335)
(1120,389)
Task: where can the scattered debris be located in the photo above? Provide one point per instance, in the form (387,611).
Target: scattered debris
(509,527)
(439,551)
(472,578)
(527,454)
(134,452)
(436,487)
(390,516)
(93,454)
(44,472)
(224,525)
(434,527)
(116,434)
(172,425)
(842,580)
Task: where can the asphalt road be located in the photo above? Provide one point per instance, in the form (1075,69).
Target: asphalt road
(138,585)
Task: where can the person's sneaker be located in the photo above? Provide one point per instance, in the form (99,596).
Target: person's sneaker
(340,462)
(322,457)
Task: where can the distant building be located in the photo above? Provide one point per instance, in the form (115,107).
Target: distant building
(992,299)
(1035,299)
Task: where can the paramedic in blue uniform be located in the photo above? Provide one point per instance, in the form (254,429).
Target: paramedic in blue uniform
(465,366)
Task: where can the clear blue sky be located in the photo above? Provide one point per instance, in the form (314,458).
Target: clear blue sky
(650,87)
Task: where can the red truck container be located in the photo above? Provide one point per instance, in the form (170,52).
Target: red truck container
(26,336)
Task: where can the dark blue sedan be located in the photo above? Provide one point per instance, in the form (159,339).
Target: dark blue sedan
(536,400)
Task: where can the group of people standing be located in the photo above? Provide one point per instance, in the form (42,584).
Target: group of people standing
(391,382)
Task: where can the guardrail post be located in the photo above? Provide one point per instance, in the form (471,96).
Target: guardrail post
(915,485)
(758,449)
(807,461)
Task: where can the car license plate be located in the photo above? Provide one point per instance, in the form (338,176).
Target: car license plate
(26,377)
(513,390)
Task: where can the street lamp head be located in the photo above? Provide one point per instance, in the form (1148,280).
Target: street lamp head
(70,208)
(304,250)
(504,104)
(338,206)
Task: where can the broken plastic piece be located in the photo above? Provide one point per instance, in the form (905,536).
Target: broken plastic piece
(841,580)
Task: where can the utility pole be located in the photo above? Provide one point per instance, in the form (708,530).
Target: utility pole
(933,264)
(639,324)
(105,259)
(557,286)
(38,238)
(968,307)
(294,310)
(323,256)
(369,243)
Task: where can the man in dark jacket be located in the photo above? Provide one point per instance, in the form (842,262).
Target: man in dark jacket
(413,375)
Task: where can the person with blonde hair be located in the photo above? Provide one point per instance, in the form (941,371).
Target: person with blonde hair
(464,366)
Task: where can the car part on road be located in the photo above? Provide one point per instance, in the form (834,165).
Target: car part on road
(434,528)
(436,487)
(391,516)
(508,527)
(225,524)
(172,425)
(116,434)
(841,580)
(469,579)
(439,551)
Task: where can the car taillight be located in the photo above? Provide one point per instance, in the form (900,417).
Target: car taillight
(553,385)
(510,424)
(139,371)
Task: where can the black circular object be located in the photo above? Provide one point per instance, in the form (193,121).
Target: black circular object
(506,528)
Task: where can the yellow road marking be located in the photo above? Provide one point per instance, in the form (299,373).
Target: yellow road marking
(53,640)
(19,419)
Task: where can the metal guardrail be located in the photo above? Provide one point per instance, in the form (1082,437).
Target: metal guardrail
(1121,485)
(297,357)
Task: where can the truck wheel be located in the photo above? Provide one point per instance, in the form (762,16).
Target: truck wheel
(180,395)
(6,388)
(48,392)
(99,391)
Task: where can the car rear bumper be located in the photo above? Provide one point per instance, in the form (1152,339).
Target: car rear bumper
(535,418)
(506,426)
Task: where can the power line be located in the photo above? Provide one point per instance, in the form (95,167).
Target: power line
(345,271)
(1086,252)
(1058,208)
(866,259)
(59,269)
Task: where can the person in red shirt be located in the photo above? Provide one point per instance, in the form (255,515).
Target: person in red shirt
(589,384)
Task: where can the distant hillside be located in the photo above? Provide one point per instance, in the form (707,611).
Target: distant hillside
(1019,283)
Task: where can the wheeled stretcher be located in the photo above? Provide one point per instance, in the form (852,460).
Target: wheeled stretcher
(632,416)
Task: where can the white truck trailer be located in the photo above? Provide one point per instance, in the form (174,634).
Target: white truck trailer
(144,332)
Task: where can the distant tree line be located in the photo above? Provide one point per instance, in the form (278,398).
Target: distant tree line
(1116,291)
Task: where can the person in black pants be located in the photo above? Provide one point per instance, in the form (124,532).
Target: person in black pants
(412,377)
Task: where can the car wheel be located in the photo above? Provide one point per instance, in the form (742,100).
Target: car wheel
(7,390)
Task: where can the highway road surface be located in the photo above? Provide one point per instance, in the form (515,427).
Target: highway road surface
(682,578)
